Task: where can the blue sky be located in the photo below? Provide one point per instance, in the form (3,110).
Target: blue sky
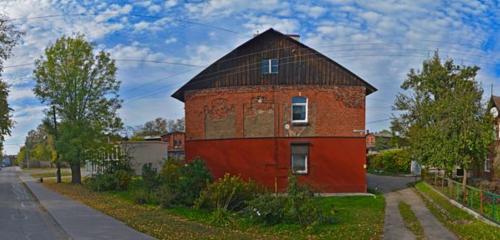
(378,40)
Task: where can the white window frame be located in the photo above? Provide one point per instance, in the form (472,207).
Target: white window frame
(270,66)
(301,104)
(487,165)
(306,163)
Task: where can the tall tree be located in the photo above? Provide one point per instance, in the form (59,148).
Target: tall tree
(82,87)
(9,36)
(446,124)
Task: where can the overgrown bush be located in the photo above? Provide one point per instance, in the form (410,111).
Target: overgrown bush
(391,161)
(181,184)
(144,196)
(150,177)
(116,181)
(228,193)
(268,209)
(297,207)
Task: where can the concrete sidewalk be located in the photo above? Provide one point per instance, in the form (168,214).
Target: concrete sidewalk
(78,220)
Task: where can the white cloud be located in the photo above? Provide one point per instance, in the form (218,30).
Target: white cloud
(154,8)
(135,51)
(170,3)
(20,93)
(262,23)
(223,8)
(170,40)
(311,11)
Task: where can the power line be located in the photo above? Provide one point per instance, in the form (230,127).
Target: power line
(188,21)
(379,120)
(125,60)
(18,65)
(244,70)
(156,61)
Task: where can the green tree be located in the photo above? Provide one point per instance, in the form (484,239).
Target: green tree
(21,156)
(443,117)
(9,36)
(81,84)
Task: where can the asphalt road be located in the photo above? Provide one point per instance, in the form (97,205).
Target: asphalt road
(386,184)
(21,216)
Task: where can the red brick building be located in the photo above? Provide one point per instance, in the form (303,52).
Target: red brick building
(370,141)
(175,145)
(274,106)
(490,168)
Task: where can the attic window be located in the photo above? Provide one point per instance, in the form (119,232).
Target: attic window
(269,66)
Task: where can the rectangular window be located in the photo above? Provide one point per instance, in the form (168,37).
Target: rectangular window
(299,110)
(269,66)
(300,155)
(487,165)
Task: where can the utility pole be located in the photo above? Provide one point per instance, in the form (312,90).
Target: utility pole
(58,163)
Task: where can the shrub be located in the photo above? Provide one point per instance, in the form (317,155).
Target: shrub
(266,208)
(300,206)
(392,161)
(116,181)
(182,184)
(221,217)
(228,193)
(150,177)
(143,196)
(122,179)
(166,197)
(297,207)
(194,177)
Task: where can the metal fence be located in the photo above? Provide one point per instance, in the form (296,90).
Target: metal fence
(97,161)
(478,200)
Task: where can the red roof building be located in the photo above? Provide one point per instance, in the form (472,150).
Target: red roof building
(274,106)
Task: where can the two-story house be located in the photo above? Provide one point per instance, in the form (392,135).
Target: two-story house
(273,107)
(487,170)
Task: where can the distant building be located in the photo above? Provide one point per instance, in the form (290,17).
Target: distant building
(175,142)
(373,138)
(139,152)
(370,141)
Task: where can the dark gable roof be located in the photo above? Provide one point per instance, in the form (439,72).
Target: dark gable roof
(495,100)
(205,79)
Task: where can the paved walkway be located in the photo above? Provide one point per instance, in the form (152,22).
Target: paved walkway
(394,226)
(395,190)
(78,220)
(21,216)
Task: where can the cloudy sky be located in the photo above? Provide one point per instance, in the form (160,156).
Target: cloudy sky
(159,45)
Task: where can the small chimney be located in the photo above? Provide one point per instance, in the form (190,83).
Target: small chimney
(295,37)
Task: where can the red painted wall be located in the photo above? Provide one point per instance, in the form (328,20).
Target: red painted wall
(336,164)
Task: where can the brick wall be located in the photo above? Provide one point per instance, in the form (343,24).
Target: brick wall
(264,111)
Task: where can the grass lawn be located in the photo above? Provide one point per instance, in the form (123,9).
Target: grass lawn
(411,221)
(46,172)
(356,218)
(461,223)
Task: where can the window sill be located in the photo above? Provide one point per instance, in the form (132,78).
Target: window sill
(300,173)
(300,123)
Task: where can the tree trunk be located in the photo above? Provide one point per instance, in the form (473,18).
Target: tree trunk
(464,185)
(76,177)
